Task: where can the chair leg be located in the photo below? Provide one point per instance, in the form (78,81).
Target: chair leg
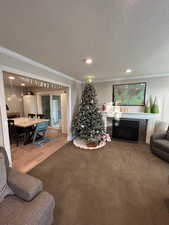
(17,141)
(34,137)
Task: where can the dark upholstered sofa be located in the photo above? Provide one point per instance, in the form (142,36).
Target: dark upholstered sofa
(160,145)
(22,199)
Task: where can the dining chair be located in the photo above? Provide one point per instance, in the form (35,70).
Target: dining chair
(32,128)
(39,134)
(15,133)
(31,115)
(40,116)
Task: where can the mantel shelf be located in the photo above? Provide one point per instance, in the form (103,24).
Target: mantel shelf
(133,115)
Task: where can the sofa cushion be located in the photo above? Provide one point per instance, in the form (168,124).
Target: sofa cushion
(16,211)
(24,185)
(4,188)
(2,149)
(162,144)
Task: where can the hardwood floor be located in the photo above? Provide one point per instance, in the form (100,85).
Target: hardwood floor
(26,157)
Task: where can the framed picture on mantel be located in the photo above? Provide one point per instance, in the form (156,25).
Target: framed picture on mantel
(129,94)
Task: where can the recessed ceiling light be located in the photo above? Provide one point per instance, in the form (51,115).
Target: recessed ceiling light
(11,78)
(23,84)
(88,61)
(128,71)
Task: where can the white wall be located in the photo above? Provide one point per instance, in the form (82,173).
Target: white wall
(4,136)
(14,99)
(29,104)
(155,87)
(1,133)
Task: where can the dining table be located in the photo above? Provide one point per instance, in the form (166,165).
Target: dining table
(26,123)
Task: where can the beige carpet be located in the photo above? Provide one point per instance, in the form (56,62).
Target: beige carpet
(121,184)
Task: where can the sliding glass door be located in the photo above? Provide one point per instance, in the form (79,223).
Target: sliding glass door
(51,108)
(55,111)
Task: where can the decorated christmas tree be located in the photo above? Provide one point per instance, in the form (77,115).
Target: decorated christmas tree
(87,123)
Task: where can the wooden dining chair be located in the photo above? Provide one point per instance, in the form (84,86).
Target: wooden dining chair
(31,115)
(39,134)
(15,133)
(40,116)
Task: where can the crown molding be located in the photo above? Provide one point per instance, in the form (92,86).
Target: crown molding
(22,58)
(132,78)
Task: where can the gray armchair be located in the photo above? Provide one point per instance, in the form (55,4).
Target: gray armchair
(22,199)
(160,145)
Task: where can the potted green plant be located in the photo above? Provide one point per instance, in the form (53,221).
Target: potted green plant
(155,107)
(147,108)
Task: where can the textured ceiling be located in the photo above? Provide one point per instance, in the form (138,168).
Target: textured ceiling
(117,34)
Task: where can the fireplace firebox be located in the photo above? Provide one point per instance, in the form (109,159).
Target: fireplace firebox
(129,129)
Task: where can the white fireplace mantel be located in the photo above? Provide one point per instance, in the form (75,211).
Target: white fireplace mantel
(131,115)
(150,117)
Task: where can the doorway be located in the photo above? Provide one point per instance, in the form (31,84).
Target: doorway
(27,96)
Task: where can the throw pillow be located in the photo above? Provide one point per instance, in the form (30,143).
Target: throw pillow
(160,127)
